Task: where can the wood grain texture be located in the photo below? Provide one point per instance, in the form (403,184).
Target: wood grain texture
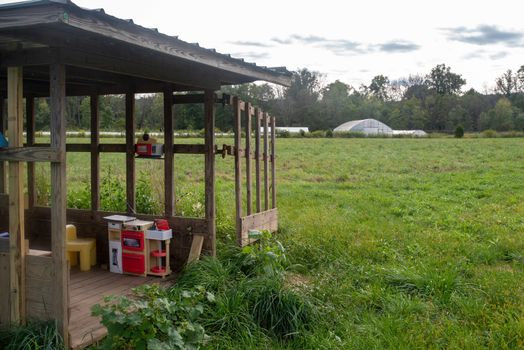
(257,161)
(95,155)
(40,298)
(130,153)
(58,199)
(15,110)
(196,248)
(237,115)
(266,220)
(265,121)
(30,154)
(5,315)
(209,115)
(169,179)
(273,164)
(249,199)
(3,165)
(30,132)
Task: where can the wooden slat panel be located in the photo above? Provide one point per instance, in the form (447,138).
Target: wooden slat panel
(273,164)
(249,199)
(169,185)
(4,292)
(266,163)
(95,155)
(130,153)
(209,115)
(15,110)
(30,154)
(266,220)
(30,126)
(40,287)
(58,199)
(257,161)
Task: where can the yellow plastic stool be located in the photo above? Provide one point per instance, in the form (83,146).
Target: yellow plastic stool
(85,247)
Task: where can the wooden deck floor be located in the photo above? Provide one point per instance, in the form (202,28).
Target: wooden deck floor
(87,289)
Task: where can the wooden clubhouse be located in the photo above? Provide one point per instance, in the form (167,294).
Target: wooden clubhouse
(55,49)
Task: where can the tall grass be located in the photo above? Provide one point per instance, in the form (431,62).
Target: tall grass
(36,335)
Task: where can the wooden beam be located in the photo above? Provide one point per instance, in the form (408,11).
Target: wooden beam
(209,114)
(3,165)
(273,165)
(30,154)
(59,200)
(16,196)
(130,153)
(169,185)
(249,200)
(181,148)
(266,220)
(237,115)
(196,248)
(266,163)
(30,127)
(95,155)
(257,161)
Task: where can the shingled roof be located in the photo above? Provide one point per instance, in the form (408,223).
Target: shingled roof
(36,33)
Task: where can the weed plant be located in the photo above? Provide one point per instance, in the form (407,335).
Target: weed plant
(36,335)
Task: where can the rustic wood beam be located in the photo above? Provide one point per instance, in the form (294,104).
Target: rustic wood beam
(30,127)
(169,185)
(95,155)
(273,165)
(16,197)
(3,165)
(257,161)
(266,163)
(180,148)
(30,154)
(209,114)
(237,120)
(248,113)
(130,153)
(58,199)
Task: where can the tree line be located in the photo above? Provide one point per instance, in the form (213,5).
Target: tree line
(432,102)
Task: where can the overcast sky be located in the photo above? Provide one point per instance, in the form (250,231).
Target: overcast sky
(347,40)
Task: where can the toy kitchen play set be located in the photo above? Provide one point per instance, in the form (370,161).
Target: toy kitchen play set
(138,247)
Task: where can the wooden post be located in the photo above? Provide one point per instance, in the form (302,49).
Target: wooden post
(30,126)
(209,115)
(169,193)
(16,196)
(257,161)
(266,165)
(249,199)
(273,166)
(58,199)
(238,174)
(3,165)
(130,153)
(95,155)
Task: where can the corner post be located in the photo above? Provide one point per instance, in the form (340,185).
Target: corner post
(130,153)
(58,199)
(169,194)
(95,155)
(209,115)
(15,111)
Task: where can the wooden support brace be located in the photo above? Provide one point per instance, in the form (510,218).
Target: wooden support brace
(130,153)
(209,115)
(238,181)
(30,127)
(95,155)
(196,248)
(169,185)
(16,197)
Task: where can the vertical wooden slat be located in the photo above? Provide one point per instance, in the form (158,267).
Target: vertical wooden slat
(249,185)
(3,165)
(257,161)
(266,161)
(169,194)
(58,198)
(95,154)
(130,153)
(238,181)
(273,165)
(16,196)
(209,115)
(30,126)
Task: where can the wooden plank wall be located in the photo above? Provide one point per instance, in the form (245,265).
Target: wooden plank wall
(40,296)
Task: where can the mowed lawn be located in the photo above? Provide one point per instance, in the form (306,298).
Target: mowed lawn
(404,243)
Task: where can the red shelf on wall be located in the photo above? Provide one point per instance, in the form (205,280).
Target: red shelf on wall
(158,253)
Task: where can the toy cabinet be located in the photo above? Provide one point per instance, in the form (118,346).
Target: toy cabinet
(158,252)
(114,234)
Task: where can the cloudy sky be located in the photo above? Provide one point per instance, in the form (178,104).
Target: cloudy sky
(347,40)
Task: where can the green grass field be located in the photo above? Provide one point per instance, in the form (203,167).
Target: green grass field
(404,244)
